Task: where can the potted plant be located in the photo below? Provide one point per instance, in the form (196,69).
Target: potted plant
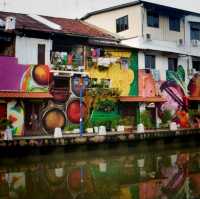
(88,126)
(146,119)
(165,119)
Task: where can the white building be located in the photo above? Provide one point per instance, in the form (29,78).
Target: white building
(166,37)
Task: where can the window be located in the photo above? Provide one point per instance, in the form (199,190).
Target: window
(122,24)
(150,62)
(172,64)
(41,53)
(195,31)
(196,65)
(174,24)
(152,19)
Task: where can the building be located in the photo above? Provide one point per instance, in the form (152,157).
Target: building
(165,37)
(43,64)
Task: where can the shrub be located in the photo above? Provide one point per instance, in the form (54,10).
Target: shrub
(146,119)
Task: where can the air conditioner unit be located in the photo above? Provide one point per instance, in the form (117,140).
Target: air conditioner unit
(180,42)
(195,43)
(10,23)
(148,37)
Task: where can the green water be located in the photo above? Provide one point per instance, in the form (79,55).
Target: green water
(145,171)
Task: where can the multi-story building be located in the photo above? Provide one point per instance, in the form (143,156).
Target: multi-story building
(166,37)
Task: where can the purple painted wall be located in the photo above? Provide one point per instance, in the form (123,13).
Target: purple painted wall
(10,73)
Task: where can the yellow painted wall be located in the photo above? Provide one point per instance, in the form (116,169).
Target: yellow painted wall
(120,77)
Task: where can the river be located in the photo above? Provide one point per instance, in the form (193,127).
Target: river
(116,171)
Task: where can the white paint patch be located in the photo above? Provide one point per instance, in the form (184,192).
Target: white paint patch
(45,22)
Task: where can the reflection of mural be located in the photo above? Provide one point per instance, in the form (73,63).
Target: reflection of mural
(15,113)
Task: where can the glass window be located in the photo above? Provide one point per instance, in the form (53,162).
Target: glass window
(41,53)
(174,24)
(152,19)
(195,31)
(150,62)
(196,65)
(122,24)
(172,64)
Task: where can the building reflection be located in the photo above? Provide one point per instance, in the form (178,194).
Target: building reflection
(126,177)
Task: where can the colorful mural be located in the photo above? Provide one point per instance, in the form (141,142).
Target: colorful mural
(27,78)
(194,86)
(115,66)
(15,113)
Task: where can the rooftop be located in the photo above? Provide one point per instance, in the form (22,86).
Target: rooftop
(137,2)
(73,27)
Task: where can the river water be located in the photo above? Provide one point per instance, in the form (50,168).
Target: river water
(142,171)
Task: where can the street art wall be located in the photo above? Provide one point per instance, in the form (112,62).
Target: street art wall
(174,90)
(26,78)
(15,113)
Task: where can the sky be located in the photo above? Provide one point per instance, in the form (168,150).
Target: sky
(78,8)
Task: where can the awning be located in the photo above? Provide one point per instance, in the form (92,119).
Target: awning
(141,99)
(32,95)
(194,98)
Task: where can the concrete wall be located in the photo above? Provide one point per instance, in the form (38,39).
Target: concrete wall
(107,21)
(163,33)
(26,50)
(162,62)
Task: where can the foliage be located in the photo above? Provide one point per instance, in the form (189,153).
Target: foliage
(193,113)
(4,123)
(146,119)
(166,117)
(178,77)
(106,105)
(126,121)
(71,127)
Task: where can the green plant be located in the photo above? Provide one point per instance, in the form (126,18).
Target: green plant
(71,127)
(106,105)
(4,123)
(146,119)
(166,117)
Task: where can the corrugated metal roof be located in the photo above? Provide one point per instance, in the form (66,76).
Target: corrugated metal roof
(68,26)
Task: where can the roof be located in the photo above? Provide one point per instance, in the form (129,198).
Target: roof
(136,2)
(33,95)
(141,99)
(194,98)
(71,27)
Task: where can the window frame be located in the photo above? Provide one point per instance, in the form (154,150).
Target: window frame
(154,20)
(152,64)
(41,57)
(122,24)
(174,66)
(195,27)
(173,25)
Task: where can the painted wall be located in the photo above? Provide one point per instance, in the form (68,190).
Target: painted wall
(107,21)
(26,50)
(17,77)
(163,33)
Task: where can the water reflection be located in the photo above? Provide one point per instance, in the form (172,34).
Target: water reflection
(174,175)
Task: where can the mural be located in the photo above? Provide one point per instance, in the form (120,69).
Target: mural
(27,78)
(112,65)
(173,90)
(194,86)
(15,113)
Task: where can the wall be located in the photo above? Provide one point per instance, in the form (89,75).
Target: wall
(107,21)
(26,50)
(163,33)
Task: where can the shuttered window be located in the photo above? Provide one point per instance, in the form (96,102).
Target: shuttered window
(41,53)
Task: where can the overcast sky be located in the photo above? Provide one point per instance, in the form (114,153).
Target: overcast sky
(78,8)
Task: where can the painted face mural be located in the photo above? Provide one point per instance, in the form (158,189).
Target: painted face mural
(174,97)
(15,110)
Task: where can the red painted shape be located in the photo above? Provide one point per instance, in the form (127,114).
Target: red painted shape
(73,111)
